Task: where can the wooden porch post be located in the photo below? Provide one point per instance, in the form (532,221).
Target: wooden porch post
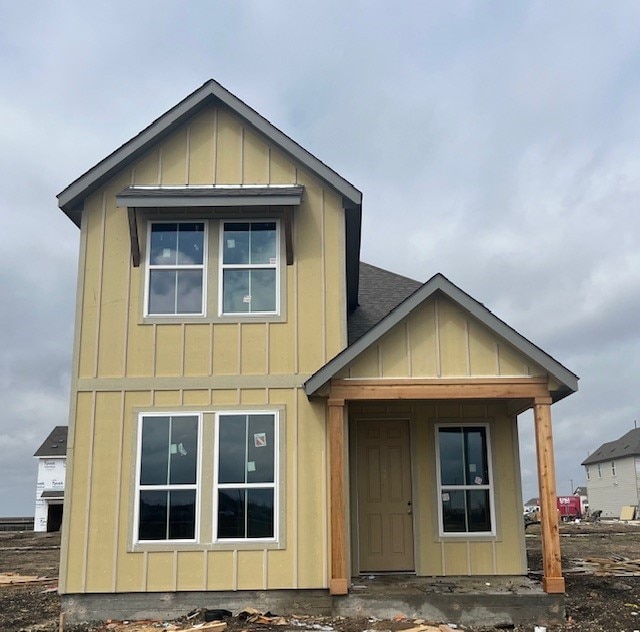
(552,579)
(338,584)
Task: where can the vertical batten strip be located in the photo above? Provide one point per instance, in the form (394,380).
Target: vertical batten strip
(92,426)
(205,570)
(294,300)
(211,350)
(159,164)
(294,494)
(214,144)
(175,571)
(267,342)
(265,569)
(125,359)
(443,557)
(323,272)
(145,570)
(187,161)
(234,579)
(469,571)
(183,347)
(103,222)
(467,342)
(116,534)
(154,358)
(407,338)
(242,155)
(436,314)
(380,360)
(494,552)
(239,362)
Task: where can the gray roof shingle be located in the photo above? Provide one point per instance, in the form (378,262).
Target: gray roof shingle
(380,291)
(55,444)
(627,445)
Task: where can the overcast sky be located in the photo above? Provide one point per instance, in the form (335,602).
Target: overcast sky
(495,142)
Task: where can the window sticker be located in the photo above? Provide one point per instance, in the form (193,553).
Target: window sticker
(231,243)
(251,466)
(272,260)
(260,439)
(477,480)
(166,253)
(246,299)
(445,497)
(472,467)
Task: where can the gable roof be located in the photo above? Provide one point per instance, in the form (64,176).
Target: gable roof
(55,445)
(440,284)
(380,292)
(71,200)
(627,445)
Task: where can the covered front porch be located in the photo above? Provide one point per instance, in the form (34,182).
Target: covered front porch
(423,535)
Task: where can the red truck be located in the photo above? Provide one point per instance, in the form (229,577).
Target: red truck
(569,508)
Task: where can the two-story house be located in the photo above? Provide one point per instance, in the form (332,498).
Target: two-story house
(613,475)
(254,412)
(52,467)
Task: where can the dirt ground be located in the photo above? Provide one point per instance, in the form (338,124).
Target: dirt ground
(603,593)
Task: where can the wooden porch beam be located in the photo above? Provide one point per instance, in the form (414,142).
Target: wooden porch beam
(459,388)
(338,584)
(552,579)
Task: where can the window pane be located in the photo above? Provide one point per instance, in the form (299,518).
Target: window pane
(477,471)
(260,449)
(263,291)
(260,513)
(154,461)
(478,510)
(190,243)
(182,514)
(162,292)
(153,515)
(263,242)
(453,511)
(183,450)
(451,462)
(235,296)
(232,437)
(235,245)
(189,292)
(231,513)
(163,244)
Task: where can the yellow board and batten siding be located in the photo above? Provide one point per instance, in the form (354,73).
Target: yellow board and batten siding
(126,365)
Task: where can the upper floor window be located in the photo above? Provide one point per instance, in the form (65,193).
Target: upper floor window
(599,470)
(464,479)
(587,471)
(176,269)
(249,280)
(167,477)
(613,468)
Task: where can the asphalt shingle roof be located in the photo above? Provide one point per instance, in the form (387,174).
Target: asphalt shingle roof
(627,445)
(380,291)
(55,444)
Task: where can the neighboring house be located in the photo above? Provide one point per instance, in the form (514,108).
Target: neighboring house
(584,499)
(253,409)
(613,475)
(52,465)
(533,504)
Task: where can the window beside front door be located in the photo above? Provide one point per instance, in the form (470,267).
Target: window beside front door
(464,480)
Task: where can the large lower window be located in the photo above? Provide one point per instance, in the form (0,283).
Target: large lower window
(176,269)
(249,270)
(464,479)
(167,477)
(246,502)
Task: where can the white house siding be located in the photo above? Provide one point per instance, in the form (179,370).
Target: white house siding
(610,493)
(51,473)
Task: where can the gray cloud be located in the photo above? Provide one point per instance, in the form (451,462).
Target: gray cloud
(496,143)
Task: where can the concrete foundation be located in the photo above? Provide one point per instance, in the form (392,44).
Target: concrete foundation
(472,601)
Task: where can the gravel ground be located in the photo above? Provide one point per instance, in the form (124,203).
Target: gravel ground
(595,602)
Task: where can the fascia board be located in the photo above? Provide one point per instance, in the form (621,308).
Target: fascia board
(440,283)
(70,199)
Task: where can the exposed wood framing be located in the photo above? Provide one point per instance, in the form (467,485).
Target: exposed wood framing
(338,584)
(552,579)
(133,232)
(464,388)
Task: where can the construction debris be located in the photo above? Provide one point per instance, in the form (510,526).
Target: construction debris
(615,566)
(14,578)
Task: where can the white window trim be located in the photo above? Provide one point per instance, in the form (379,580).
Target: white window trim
(203,266)
(275,485)
(261,266)
(139,488)
(490,486)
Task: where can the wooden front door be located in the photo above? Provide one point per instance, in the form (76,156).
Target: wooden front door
(385,521)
